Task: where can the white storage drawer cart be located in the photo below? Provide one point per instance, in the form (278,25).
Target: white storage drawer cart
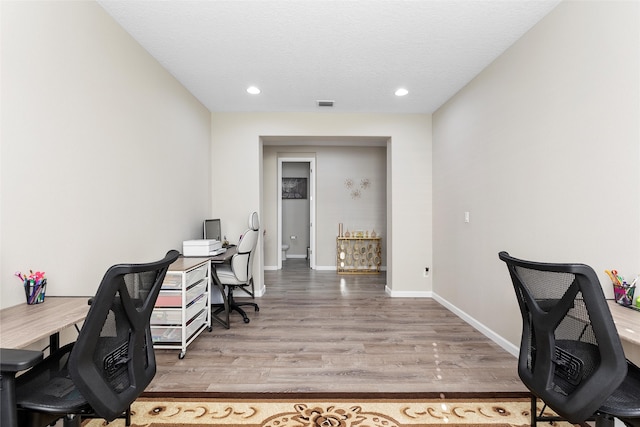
(183,308)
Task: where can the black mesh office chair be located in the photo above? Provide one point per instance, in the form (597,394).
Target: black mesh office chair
(111,362)
(570,353)
(239,273)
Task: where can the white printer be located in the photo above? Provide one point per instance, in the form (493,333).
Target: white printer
(202,247)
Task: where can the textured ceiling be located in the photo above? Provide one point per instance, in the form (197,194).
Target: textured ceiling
(299,51)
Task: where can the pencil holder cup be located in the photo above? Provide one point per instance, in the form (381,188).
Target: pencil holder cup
(624,294)
(34,291)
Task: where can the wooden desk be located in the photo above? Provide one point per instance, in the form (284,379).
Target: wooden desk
(222,258)
(627,322)
(25,324)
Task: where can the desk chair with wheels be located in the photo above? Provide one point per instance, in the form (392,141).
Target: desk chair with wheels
(570,352)
(111,362)
(239,273)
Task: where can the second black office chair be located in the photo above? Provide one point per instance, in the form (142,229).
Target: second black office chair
(111,362)
(239,273)
(570,353)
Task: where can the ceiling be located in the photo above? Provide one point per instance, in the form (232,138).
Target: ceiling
(354,52)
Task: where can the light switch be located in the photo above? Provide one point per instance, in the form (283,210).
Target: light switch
(466,217)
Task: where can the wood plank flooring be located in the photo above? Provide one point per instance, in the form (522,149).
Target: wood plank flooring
(320,332)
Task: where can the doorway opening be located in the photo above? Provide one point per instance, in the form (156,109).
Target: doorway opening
(296,210)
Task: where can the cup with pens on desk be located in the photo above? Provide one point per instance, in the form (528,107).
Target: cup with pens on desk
(623,291)
(35,286)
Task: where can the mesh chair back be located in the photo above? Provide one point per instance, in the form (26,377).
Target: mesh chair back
(113,360)
(570,353)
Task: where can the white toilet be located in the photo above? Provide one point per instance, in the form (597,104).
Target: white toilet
(285,248)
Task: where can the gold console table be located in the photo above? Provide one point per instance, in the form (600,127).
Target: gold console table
(358,255)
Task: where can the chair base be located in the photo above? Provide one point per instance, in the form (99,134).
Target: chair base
(236,306)
(535,418)
(126,416)
(41,419)
(601,419)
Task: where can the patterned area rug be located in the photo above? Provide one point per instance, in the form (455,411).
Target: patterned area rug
(187,412)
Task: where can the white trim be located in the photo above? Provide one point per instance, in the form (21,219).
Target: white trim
(259,291)
(271,267)
(506,345)
(295,256)
(407,294)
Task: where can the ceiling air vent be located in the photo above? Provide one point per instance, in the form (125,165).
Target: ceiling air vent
(325,103)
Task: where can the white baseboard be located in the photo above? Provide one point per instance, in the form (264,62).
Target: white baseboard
(296,256)
(407,294)
(334,268)
(318,267)
(506,345)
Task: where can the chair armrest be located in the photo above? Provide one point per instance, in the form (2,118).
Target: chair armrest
(12,360)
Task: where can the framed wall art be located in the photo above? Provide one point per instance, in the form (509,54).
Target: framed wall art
(294,188)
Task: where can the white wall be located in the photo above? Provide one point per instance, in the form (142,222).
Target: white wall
(104,154)
(236,142)
(542,148)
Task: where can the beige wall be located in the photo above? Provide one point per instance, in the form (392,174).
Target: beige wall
(542,148)
(237,180)
(104,154)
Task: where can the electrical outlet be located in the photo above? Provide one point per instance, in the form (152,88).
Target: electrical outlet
(426,271)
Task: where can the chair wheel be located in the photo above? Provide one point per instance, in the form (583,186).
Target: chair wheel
(246,320)
(257,308)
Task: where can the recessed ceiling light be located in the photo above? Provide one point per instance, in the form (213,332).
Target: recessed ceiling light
(253,90)
(401,92)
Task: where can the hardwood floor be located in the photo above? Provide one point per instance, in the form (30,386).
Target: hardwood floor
(320,332)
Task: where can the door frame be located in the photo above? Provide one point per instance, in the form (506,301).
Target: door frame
(312,206)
